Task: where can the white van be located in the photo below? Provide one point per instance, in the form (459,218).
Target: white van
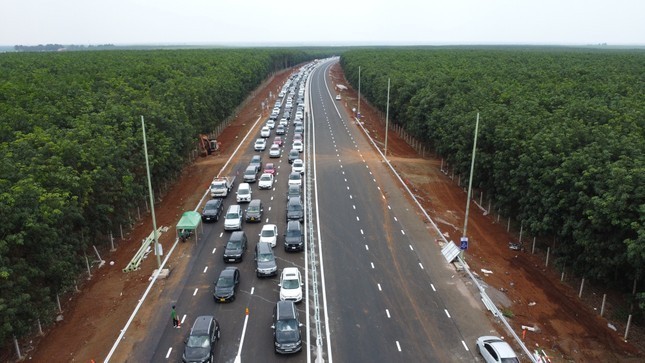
(244,193)
(233,218)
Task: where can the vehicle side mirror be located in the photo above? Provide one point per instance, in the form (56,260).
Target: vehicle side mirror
(273,327)
(280,285)
(301,325)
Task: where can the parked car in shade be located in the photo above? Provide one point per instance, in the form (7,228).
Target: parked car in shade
(226,285)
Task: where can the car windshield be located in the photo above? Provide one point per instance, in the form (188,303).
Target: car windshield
(225,281)
(265,257)
(252,209)
(265,178)
(294,176)
(234,245)
(267,233)
(211,206)
(232,215)
(290,284)
(287,330)
(293,233)
(295,207)
(198,341)
(244,191)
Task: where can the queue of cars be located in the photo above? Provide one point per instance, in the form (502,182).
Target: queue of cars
(272,140)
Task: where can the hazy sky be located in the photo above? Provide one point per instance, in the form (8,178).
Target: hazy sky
(329,22)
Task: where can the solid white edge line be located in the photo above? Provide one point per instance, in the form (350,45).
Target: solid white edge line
(238,358)
(169,351)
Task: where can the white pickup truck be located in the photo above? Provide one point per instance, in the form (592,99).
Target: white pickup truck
(220,187)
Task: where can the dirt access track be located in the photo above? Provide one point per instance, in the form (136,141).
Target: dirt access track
(568,329)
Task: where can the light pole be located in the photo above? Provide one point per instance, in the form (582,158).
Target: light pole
(464,238)
(359,93)
(387,115)
(152,198)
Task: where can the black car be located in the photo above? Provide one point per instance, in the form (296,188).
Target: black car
(235,247)
(293,237)
(293,155)
(293,191)
(256,160)
(200,344)
(212,210)
(254,211)
(286,328)
(265,264)
(226,284)
(295,210)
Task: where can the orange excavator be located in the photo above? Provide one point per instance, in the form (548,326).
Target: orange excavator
(207,146)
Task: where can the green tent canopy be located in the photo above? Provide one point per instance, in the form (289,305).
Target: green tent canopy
(189,221)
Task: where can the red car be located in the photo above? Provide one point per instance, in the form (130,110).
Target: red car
(277,140)
(269,168)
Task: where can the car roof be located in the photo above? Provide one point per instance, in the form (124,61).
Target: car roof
(268,226)
(201,325)
(294,200)
(293,225)
(290,271)
(285,310)
(229,271)
(264,247)
(214,201)
(502,347)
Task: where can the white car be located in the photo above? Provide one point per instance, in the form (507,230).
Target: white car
(290,284)
(295,178)
(244,193)
(274,151)
(495,350)
(298,166)
(270,124)
(338,97)
(266,181)
(269,234)
(284,122)
(297,145)
(265,131)
(260,144)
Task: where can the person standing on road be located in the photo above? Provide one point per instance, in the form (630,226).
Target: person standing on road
(173,315)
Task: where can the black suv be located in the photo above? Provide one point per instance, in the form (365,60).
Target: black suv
(286,328)
(294,209)
(254,211)
(212,210)
(226,284)
(200,344)
(293,238)
(235,247)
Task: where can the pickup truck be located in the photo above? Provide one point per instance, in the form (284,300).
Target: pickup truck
(220,187)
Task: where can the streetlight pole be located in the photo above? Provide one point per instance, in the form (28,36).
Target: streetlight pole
(464,238)
(152,198)
(387,115)
(359,93)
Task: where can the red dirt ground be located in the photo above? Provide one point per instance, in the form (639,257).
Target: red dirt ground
(568,329)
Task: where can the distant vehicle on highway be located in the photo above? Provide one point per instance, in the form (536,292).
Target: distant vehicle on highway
(269,234)
(291,284)
(235,247)
(265,264)
(266,181)
(294,237)
(269,168)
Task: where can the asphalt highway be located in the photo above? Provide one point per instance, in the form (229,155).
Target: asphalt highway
(376,286)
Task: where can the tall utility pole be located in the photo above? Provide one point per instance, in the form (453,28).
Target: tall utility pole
(152,198)
(387,115)
(359,93)
(470,187)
